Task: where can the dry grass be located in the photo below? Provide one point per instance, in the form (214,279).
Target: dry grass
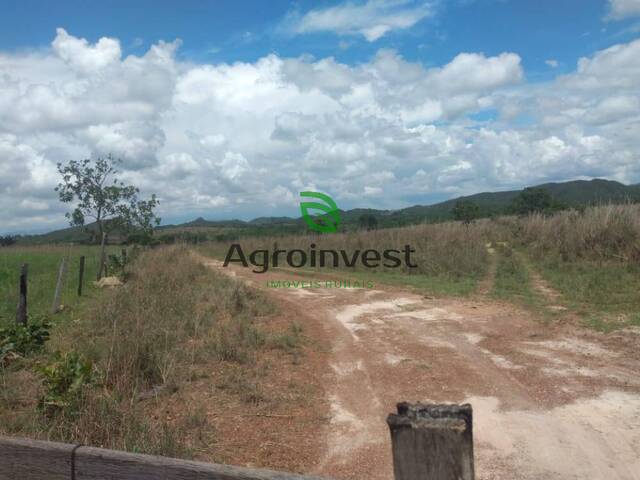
(451,257)
(146,341)
(603,233)
(450,248)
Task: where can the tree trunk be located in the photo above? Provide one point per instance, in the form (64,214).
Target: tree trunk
(100,228)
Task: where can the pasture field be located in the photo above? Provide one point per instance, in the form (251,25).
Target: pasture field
(44,262)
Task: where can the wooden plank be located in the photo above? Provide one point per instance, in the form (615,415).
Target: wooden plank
(23,459)
(99,464)
(432,442)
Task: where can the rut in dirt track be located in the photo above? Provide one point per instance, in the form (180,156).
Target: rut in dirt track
(549,402)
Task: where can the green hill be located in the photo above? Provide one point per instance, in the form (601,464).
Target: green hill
(571,194)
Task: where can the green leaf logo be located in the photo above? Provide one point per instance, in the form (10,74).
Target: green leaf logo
(325,222)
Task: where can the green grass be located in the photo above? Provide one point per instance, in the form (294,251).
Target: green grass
(607,324)
(613,288)
(439,285)
(512,280)
(43,271)
(606,295)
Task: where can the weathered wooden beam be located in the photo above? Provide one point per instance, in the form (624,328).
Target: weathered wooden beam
(99,464)
(35,460)
(432,442)
(23,459)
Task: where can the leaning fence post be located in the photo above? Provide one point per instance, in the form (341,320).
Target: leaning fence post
(21,313)
(102,257)
(81,276)
(61,273)
(432,442)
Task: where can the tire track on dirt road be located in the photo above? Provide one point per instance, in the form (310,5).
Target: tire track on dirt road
(550,402)
(487,283)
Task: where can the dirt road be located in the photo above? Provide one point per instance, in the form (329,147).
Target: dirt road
(550,402)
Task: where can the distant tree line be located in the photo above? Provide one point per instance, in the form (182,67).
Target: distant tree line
(530,200)
(7,240)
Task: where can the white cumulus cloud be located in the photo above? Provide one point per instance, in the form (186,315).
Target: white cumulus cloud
(241,139)
(620,9)
(371,19)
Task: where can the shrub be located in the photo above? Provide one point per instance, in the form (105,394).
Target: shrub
(610,232)
(65,379)
(22,339)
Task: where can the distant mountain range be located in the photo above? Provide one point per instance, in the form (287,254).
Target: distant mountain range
(572,194)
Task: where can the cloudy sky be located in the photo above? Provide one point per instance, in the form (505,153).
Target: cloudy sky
(228,109)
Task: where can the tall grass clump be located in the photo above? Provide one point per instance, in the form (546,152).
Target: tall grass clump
(602,233)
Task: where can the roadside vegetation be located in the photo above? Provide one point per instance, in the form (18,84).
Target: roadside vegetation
(512,281)
(161,362)
(108,375)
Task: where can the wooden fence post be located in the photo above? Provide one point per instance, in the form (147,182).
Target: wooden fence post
(21,313)
(81,276)
(124,260)
(61,273)
(102,257)
(432,442)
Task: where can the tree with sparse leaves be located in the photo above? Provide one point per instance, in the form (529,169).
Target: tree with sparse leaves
(101,197)
(465,211)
